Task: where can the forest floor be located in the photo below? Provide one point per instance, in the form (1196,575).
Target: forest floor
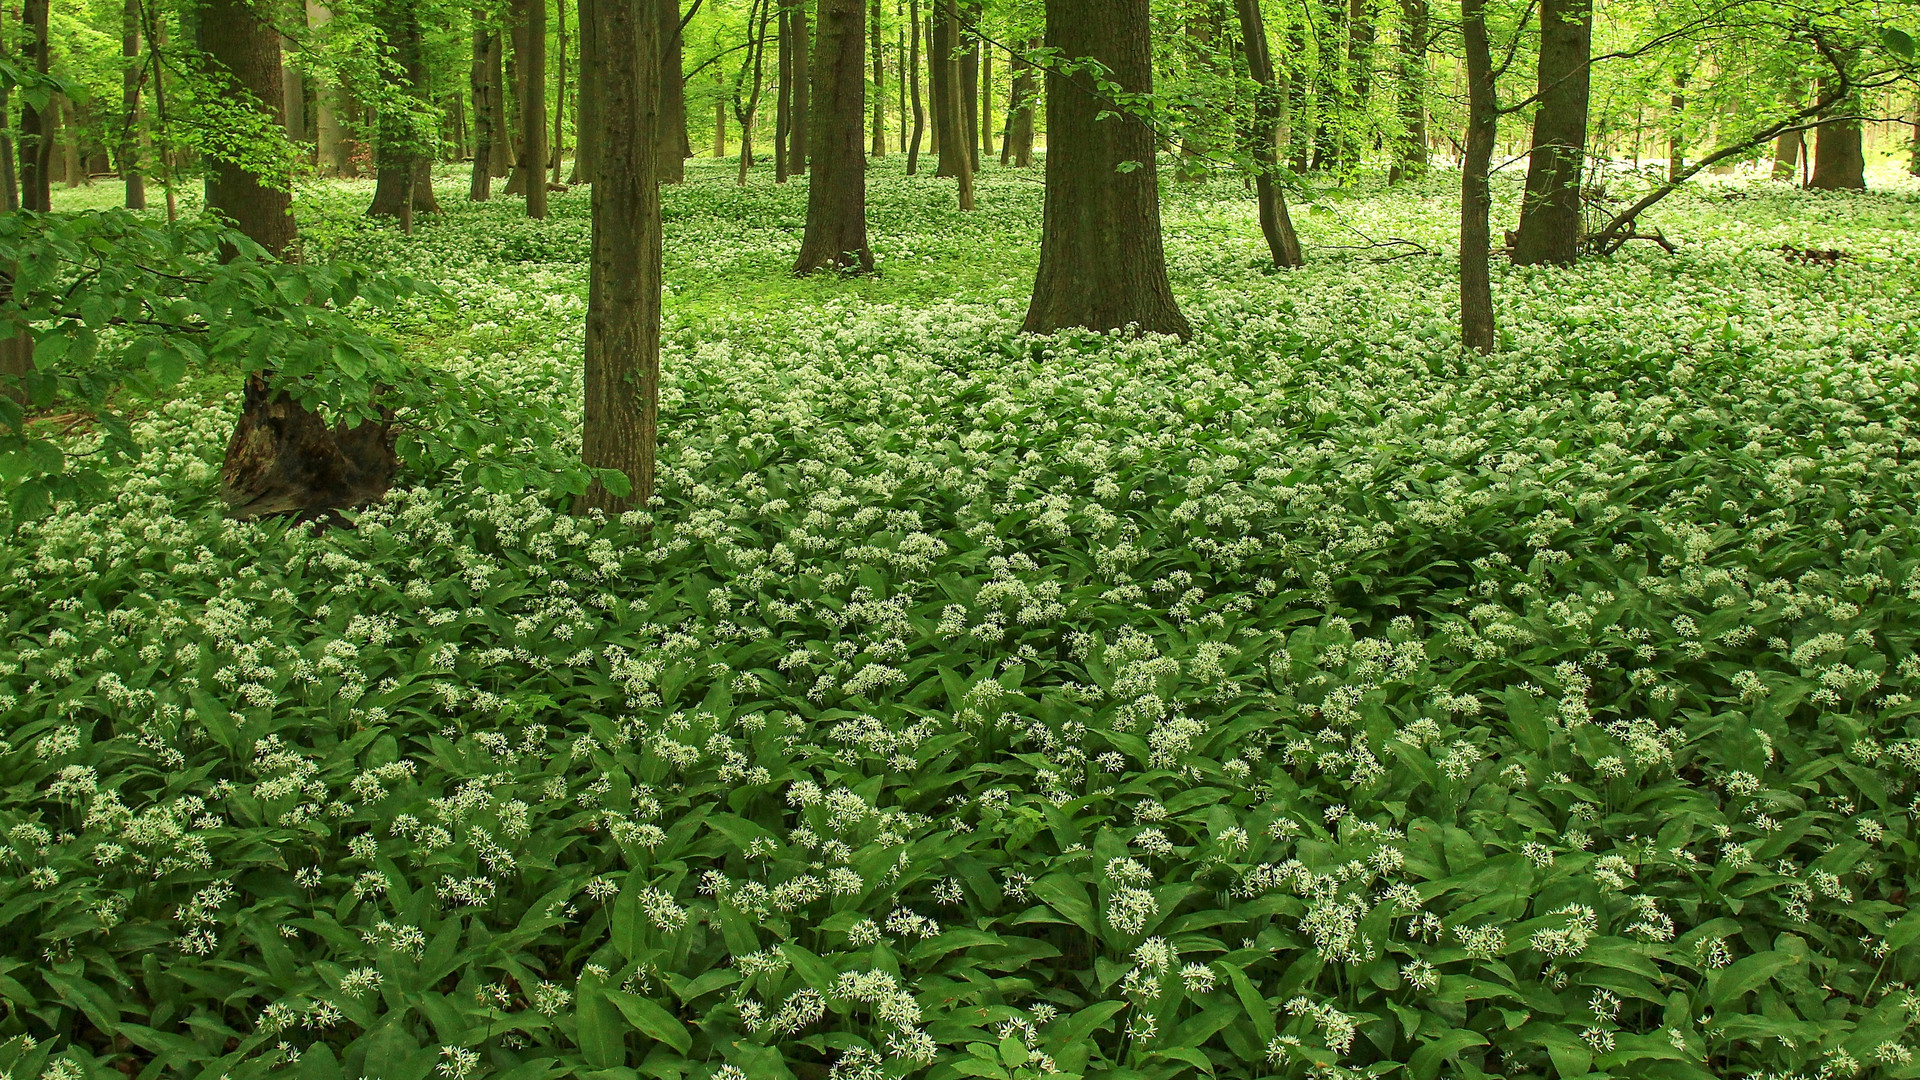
(1308,693)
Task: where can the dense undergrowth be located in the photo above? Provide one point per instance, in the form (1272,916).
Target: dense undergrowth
(1311,699)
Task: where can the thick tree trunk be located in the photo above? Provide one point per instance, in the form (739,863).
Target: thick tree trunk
(530,51)
(801,119)
(500,164)
(1410,157)
(913,85)
(674,151)
(879,84)
(955,159)
(73,169)
(283,459)
(1550,210)
(622,372)
(36,124)
(16,364)
(1786,155)
(480,76)
(943,69)
(243,58)
(1353,122)
(1017,150)
(129,141)
(1102,264)
(1839,160)
(837,195)
(586,106)
(404,185)
(1476,189)
(293,94)
(1275,224)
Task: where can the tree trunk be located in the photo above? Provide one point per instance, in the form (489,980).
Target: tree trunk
(326,118)
(558,148)
(72,168)
(800,121)
(402,159)
(966,36)
(1410,160)
(837,195)
(530,51)
(719,116)
(1550,210)
(1786,155)
(622,371)
(129,142)
(1353,121)
(293,94)
(1102,264)
(952,118)
(481,76)
(879,84)
(913,86)
(674,150)
(1275,224)
(1302,128)
(756,62)
(1476,190)
(36,125)
(1194,147)
(500,163)
(586,103)
(1676,133)
(243,60)
(1017,150)
(783,92)
(1839,161)
(1913,149)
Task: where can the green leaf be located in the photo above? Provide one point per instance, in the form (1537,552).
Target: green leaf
(651,1020)
(1749,973)
(597,1026)
(1425,1062)
(1897,41)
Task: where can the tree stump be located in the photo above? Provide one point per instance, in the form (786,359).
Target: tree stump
(283,459)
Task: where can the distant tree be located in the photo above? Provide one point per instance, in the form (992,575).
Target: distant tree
(530,52)
(1275,224)
(1550,210)
(836,233)
(403,140)
(37,113)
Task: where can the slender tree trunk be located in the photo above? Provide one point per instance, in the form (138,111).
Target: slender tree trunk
(481,75)
(719,115)
(1550,230)
(559,148)
(934,79)
(783,93)
(622,374)
(1476,190)
(500,163)
(36,125)
(1194,148)
(837,194)
(969,86)
(801,119)
(129,142)
(1360,35)
(1018,148)
(328,152)
(900,79)
(1786,155)
(1301,136)
(913,86)
(674,147)
(1913,148)
(530,47)
(403,162)
(71,169)
(952,116)
(879,84)
(1275,224)
(586,101)
(1839,159)
(1102,264)
(1410,160)
(243,57)
(756,62)
(293,92)
(1676,133)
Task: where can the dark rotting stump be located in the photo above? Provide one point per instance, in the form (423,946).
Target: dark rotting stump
(285,460)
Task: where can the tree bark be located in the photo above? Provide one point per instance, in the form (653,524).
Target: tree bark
(1913,148)
(558,148)
(283,459)
(801,120)
(913,85)
(966,36)
(501,164)
(1786,155)
(622,370)
(1839,160)
(243,58)
(1353,121)
(530,51)
(1017,149)
(955,159)
(783,90)
(129,142)
(836,234)
(1194,146)
(674,149)
(293,94)
(1102,264)
(1275,223)
(72,168)
(36,126)
(1550,210)
(1476,189)
(879,84)
(1676,133)
(1410,159)
(481,76)
(586,103)
(719,115)
(328,153)
(402,158)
